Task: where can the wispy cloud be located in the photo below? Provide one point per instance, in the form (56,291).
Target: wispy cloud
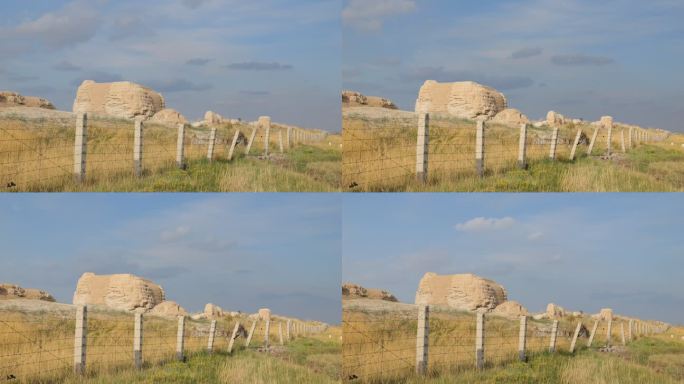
(370,15)
(480,224)
(75,23)
(178,85)
(66,66)
(198,61)
(525,53)
(259,66)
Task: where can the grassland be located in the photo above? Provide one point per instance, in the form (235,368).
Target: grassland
(380,347)
(36,154)
(379,155)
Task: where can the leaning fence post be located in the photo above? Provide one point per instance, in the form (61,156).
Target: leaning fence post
(233,144)
(554,143)
(554,336)
(575,336)
(233,336)
(138,340)
(267,333)
(138,146)
(251,333)
(522,147)
(575,144)
(422,147)
(593,141)
(251,140)
(180,147)
(622,332)
(80,339)
(610,330)
(422,339)
(622,140)
(280,140)
(522,338)
(212,335)
(593,332)
(212,144)
(287,332)
(80,147)
(479,341)
(280,332)
(265,122)
(180,339)
(480,147)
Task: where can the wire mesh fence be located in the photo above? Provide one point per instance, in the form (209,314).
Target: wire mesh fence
(384,153)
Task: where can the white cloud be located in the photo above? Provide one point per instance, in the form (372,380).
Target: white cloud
(175,234)
(535,235)
(479,224)
(370,15)
(75,23)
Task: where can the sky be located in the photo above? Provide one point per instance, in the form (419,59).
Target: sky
(581,58)
(241,59)
(580,251)
(239,251)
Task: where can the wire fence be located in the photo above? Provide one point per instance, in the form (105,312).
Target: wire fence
(45,154)
(42,346)
(389,154)
(387,346)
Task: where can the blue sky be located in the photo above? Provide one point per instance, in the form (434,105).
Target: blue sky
(581,251)
(238,58)
(240,251)
(581,58)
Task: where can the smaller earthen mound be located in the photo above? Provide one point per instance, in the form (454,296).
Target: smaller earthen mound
(169,116)
(13,99)
(356,99)
(466,292)
(554,311)
(168,309)
(212,118)
(212,311)
(606,314)
(264,314)
(511,116)
(554,119)
(510,309)
(355,291)
(13,291)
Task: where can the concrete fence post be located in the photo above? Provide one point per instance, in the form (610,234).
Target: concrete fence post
(479,340)
(592,334)
(265,122)
(480,148)
(422,147)
(267,333)
(522,147)
(578,136)
(609,332)
(554,336)
(609,140)
(212,336)
(280,141)
(622,333)
(289,137)
(280,333)
(212,144)
(593,141)
(629,142)
(522,339)
(80,339)
(251,140)
(622,141)
(289,326)
(80,147)
(180,147)
(138,146)
(251,333)
(629,331)
(180,339)
(233,144)
(575,336)
(422,339)
(233,336)
(554,144)
(138,341)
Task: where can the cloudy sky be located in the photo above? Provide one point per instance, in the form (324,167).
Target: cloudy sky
(239,58)
(240,251)
(583,252)
(581,58)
